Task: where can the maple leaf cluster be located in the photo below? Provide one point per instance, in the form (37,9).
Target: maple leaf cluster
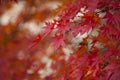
(95,60)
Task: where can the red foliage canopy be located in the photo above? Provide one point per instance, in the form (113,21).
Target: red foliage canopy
(85,35)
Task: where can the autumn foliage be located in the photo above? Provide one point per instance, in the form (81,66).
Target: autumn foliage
(82,42)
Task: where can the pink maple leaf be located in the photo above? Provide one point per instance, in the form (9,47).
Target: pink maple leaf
(58,41)
(113,18)
(111,67)
(115,75)
(62,78)
(63,26)
(48,28)
(81,29)
(92,5)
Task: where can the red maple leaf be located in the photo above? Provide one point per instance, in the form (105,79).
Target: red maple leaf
(114,4)
(35,41)
(113,18)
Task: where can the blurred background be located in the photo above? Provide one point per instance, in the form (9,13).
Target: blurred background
(20,22)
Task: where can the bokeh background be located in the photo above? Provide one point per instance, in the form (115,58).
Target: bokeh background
(20,23)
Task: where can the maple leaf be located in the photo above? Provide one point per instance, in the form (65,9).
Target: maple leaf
(113,18)
(88,16)
(115,75)
(92,5)
(63,26)
(114,5)
(95,63)
(113,71)
(81,29)
(69,12)
(108,53)
(109,17)
(85,28)
(48,28)
(111,67)
(82,50)
(114,33)
(77,74)
(35,41)
(116,17)
(58,41)
(62,78)
(95,72)
(91,19)
(104,30)
(110,32)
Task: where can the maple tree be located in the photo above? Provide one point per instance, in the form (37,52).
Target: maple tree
(82,43)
